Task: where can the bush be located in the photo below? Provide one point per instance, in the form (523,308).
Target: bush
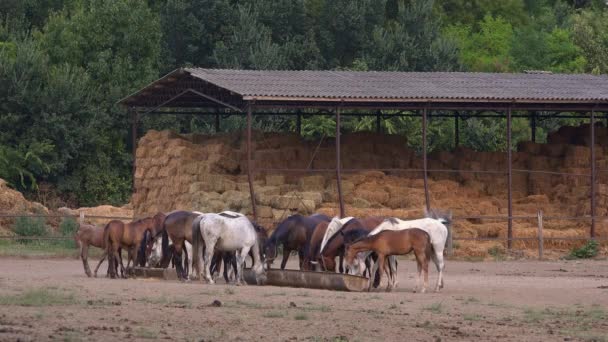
(589,250)
(68,226)
(29,227)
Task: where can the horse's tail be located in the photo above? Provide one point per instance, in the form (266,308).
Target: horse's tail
(258,263)
(441,215)
(141,254)
(197,239)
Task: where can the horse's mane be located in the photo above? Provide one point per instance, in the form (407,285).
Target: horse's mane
(283,228)
(392,220)
(355,235)
(351,221)
(224,214)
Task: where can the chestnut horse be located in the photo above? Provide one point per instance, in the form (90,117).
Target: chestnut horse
(133,236)
(335,244)
(90,235)
(395,242)
(293,233)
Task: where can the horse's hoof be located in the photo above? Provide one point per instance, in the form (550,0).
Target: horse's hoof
(415,290)
(423,290)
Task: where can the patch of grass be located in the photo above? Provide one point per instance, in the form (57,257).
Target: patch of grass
(145,333)
(248,304)
(471,317)
(471,300)
(375,297)
(581,317)
(474,258)
(497,252)
(40,297)
(153,300)
(42,249)
(392,307)
(229,291)
(301,316)
(302,294)
(273,294)
(322,308)
(434,308)
(274,314)
(589,250)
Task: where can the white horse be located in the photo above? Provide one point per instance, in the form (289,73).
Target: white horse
(436,225)
(333,228)
(227,234)
(156,254)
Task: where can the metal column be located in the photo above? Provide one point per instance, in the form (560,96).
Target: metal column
(509,181)
(217,123)
(378,123)
(427,196)
(299,123)
(249,163)
(593,174)
(134,122)
(533,126)
(456,131)
(338,163)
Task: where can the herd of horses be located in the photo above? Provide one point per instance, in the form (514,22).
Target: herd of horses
(363,246)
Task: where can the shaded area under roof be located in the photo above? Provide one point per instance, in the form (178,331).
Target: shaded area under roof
(222,88)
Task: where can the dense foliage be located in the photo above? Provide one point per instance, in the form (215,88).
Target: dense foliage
(65,63)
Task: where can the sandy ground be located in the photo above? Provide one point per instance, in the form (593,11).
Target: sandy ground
(510,301)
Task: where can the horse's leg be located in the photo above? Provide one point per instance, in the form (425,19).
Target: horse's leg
(286,253)
(341,262)
(381,265)
(372,279)
(209,248)
(177,259)
(438,261)
(301,259)
(240,263)
(103,257)
(419,276)
(84,254)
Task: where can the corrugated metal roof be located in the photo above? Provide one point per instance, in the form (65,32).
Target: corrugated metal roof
(407,85)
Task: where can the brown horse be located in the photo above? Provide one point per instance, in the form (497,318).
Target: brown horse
(293,234)
(335,246)
(133,236)
(390,242)
(178,228)
(90,235)
(314,245)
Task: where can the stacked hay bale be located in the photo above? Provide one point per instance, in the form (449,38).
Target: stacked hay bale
(208,173)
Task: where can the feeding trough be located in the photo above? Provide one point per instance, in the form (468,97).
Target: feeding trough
(160,273)
(311,280)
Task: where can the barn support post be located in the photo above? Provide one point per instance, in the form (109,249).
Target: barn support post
(338,163)
(533,126)
(378,123)
(541,241)
(456,130)
(134,123)
(427,196)
(249,163)
(593,174)
(509,181)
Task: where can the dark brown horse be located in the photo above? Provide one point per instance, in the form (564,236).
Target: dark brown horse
(293,234)
(314,245)
(335,246)
(178,228)
(133,236)
(391,242)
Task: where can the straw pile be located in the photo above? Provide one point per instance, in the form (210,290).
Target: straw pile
(208,173)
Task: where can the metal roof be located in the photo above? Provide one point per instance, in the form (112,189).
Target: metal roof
(221,87)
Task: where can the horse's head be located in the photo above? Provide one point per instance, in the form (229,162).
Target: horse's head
(269,251)
(155,252)
(158,221)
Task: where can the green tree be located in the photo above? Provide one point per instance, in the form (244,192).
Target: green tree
(590,31)
(412,42)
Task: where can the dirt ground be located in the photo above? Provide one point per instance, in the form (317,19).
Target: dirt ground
(509,301)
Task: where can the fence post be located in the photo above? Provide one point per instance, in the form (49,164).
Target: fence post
(81,219)
(540,235)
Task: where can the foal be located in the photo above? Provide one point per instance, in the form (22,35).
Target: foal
(90,235)
(400,242)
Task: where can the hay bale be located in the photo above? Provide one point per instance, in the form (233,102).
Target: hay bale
(577,156)
(312,183)
(264,194)
(372,193)
(275,180)
(553,150)
(360,203)
(235,199)
(264,211)
(529,147)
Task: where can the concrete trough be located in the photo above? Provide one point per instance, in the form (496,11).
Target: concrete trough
(159,273)
(311,280)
